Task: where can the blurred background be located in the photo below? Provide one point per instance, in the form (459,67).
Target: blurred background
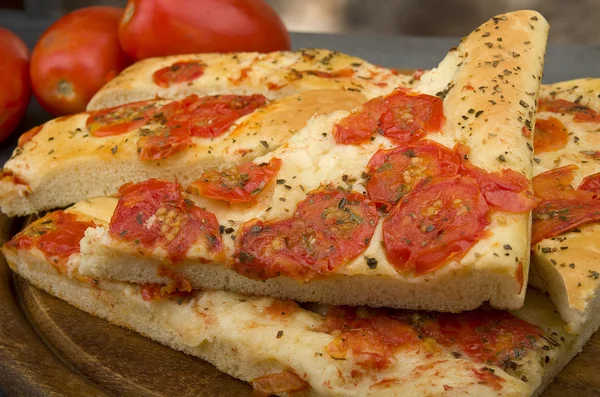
(572,21)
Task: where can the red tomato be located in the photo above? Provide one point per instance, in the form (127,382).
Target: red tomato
(155,213)
(395,172)
(327,229)
(240,184)
(120,119)
(16,89)
(402,116)
(75,57)
(151,28)
(57,235)
(562,207)
(583,114)
(591,183)
(178,73)
(549,135)
(435,224)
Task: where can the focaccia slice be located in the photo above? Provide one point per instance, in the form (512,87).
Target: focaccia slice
(93,153)
(281,347)
(274,75)
(411,201)
(566,228)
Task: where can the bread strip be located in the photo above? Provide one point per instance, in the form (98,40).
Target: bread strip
(494,269)
(275,75)
(64,163)
(567,265)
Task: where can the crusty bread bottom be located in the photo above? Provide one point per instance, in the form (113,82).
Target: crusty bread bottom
(125,312)
(454,290)
(118,309)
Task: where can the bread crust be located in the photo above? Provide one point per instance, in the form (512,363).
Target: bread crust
(567,265)
(234,333)
(64,163)
(275,75)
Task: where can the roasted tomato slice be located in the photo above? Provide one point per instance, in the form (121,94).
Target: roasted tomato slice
(209,116)
(402,116)
(505,190)
(591,183)
(328,228)
(435,224)
(178,73)
(562,207)
(394,172)
(556,184)
(161,147)
(582,113)
(57,235)
(282,382)
(550,135)
(120,119)
(155,214)
(240,184)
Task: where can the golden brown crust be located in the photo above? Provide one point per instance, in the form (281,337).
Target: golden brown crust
(567,266)
(274,75)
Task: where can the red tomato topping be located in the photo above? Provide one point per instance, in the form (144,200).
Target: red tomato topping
(57,235)
(583,114)
(505,190)
(373,336)
(402,116)
(395,172)
(208,116)
(549,135)
(487,376)
(28,136)
(173,290)
(11,177)
(120,119)
(179,72)
(562,207)
(155,214)
(282,308)
(434,224)
(162,147)
(283,382)
(239,184)
(591,183)
(329,228)
(193,116)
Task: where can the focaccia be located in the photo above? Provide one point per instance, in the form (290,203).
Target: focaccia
(411,201)
(274,75)
(93,153)
(281,347)
(566,228)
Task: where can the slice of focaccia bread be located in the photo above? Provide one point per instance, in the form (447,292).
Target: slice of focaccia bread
(566,228)
(411,201)
(316,350)
(274,75)
(93,153)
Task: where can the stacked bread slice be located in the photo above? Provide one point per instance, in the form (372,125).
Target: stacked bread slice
(261,190)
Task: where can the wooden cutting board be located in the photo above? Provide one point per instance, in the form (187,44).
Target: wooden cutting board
(48,347)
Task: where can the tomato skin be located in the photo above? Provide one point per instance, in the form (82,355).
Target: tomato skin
(591,183)
(75,57)
(582,113)
(151,28)
(431,226)
(16,89)
(395,172)
(550,135)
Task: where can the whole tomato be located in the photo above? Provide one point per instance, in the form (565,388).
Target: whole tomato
(76,56)
(152,28)
(16,90)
